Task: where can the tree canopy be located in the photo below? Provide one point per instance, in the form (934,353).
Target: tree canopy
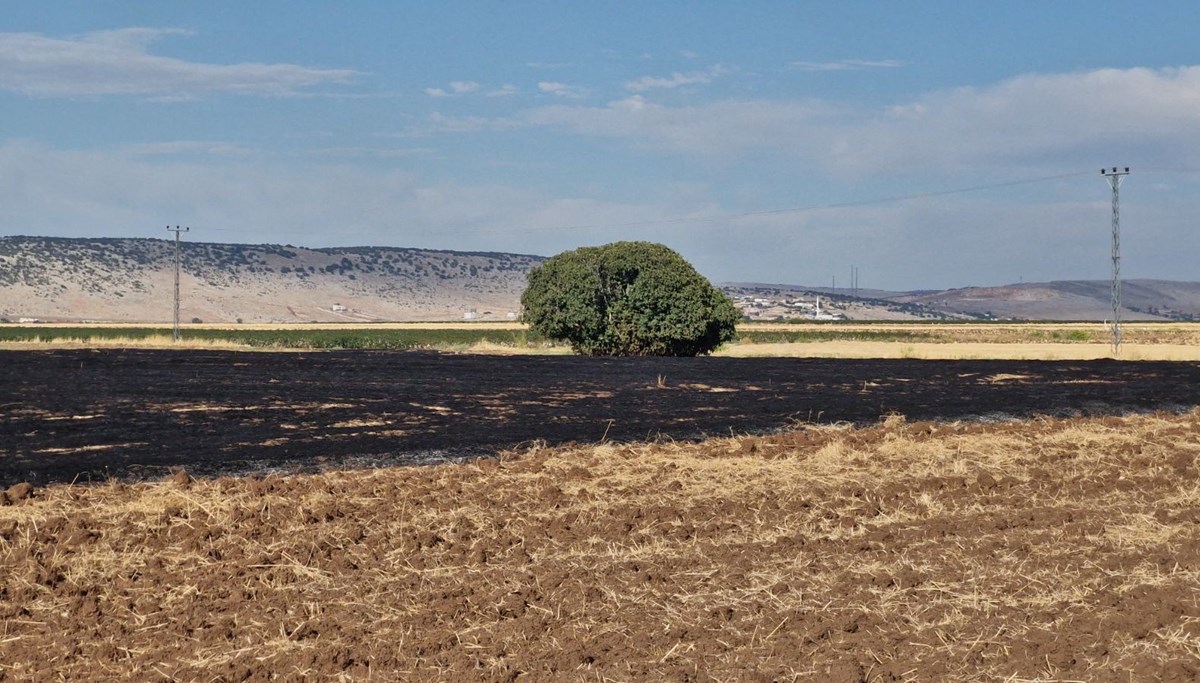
(628,299)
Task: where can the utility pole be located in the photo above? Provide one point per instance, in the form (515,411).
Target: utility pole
(176,230)
(1114,178)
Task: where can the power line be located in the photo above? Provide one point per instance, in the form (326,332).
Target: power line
(813,207)
(729,216)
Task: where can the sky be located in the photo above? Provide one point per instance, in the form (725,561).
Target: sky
(927,144)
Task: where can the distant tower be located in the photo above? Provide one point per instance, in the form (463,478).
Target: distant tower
(1114,178)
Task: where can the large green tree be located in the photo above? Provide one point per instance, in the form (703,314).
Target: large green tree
(628,299)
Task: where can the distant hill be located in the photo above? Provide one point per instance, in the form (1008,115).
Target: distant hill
(132,280)
(1068,300)
(1061,300)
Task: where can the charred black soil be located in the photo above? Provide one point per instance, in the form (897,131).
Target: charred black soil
(88,415)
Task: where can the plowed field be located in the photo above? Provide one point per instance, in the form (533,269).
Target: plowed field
(934,547)
(1046,550)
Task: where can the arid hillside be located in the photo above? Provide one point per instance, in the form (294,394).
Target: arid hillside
(131,280)
(51,278)
(1068,300)
(1061,300)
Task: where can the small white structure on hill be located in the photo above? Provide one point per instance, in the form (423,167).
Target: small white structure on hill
(818,315)
(470,314)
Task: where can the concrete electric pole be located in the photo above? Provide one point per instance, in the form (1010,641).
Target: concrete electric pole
(176,230)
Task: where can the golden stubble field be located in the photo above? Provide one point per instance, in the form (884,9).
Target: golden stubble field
(932,341)
(1040,550)
(997,341)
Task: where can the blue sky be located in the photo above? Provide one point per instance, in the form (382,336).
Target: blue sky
(765,141)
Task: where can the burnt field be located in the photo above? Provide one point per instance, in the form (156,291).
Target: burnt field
(89,415)
(935,546)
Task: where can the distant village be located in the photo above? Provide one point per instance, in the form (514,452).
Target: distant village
(762,306)
(777,303)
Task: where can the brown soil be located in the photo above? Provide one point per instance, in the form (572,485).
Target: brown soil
(91,415)
(1054,549)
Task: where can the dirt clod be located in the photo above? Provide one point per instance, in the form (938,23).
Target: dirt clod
(180,478)
(19,492)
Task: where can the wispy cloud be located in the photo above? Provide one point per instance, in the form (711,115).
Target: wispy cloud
(325,199)
(440,123)
(505,90)
(371,152)
(676,79)
(716,129)
(455,89)
(847,65)
(562,89)
(119,63)
(1034,122)
(188,147)
(1071,118)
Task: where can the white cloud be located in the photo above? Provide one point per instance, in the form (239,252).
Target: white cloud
(676,80)
(1033,121)
(372,152)
(181,147)
(720,128)
(1071,118)
(505,90)
(118,63)
(136,38)
(456,88)
(562,89)
(441,123)
(847,65)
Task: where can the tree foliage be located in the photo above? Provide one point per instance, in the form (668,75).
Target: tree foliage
(628,299)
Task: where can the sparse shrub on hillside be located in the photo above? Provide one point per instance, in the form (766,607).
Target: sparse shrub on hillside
(628,299)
